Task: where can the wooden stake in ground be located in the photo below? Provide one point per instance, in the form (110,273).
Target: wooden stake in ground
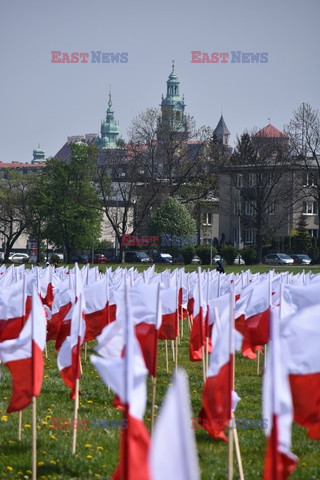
(75,418)
(166,349)
(34,438)
(19,425)
(154,382)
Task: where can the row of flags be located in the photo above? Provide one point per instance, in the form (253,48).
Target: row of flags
(128,312)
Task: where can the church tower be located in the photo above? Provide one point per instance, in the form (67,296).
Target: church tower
(222,131)
(172,106)
(110,132)
(38,155)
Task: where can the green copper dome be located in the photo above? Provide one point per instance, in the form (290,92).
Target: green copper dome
(38,155)
(110,131)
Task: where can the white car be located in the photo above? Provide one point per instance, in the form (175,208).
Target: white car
(239,260)
(19,258)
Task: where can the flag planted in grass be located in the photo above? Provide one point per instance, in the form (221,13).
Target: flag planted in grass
(24,358)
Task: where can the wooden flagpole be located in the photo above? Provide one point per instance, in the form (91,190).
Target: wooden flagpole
(34,438)
(23,312)
(154,378)
(76,402)
(166,349)
(75,418)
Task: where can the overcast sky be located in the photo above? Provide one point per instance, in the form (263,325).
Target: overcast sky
(45,102)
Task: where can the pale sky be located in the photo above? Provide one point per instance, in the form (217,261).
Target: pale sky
(45,102)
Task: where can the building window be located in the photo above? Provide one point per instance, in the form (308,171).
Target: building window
(239,180)
(208,218)
(308,180)
(310,208)
(250,236)
(271,209)
(236,239)
(270,181)
(250,207)
(252,179)
(236,207)
(313,233)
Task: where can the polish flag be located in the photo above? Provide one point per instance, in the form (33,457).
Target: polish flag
(126,376)
(280,462)
(170,316)
(145,307)
(300,340)
(15,307)
(23,356)
(253,315)
(198,334)
(69,355)
(98,312)
(218,397)
(173,452)
(62,303)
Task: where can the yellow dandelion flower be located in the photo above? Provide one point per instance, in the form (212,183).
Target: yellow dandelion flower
(303,464)
(41,463)
(5,398)
(49,410)
(89,457)
(4,418)
(89,401)
(27,425)
(9,468)
(97,475)
(44,422)
(44,452)
(38,427)
(87,445)
(100,448)
(43,477)
(28,471)
(11,442)
(53,437)
(53,462)
(20,474)
(48,417)
(46,376)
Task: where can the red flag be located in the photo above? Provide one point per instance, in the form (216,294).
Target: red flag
(23,356)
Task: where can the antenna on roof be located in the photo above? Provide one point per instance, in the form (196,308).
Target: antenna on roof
(269,120)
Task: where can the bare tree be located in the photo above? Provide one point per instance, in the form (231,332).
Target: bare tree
(303,131)
(15,189)
(164,157)
(256,190)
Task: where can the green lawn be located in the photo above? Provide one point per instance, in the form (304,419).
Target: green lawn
(97,449)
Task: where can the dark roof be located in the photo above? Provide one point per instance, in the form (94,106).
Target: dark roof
(221,128)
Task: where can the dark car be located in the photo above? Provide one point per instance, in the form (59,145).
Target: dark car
(137,257)
(98,258)
(300,258)
(277,259)
(79,258)
(159,257)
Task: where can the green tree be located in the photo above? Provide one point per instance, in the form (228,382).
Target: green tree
(301,240)
(172,218)
(71,202)
(15,189)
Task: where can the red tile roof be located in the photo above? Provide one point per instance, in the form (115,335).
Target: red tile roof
(270,131)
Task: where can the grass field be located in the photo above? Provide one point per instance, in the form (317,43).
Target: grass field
(97,448)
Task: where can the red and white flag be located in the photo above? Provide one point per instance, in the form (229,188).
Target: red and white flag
(24,358)
(253,316)
(69,355)
(277,409)
(126,376)
(218,397)
(300,340)
(173,452)
(15,307)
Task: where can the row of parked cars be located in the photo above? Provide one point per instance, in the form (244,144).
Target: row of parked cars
(158,257)
(284,259)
